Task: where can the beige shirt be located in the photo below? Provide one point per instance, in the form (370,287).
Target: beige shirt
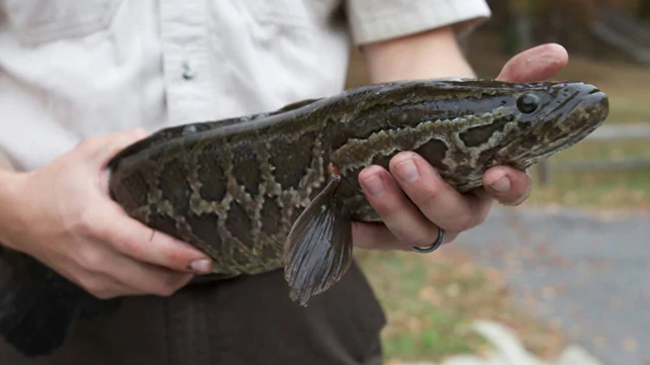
(70,69)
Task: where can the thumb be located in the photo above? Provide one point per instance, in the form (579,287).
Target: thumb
(535,64)
(101,149)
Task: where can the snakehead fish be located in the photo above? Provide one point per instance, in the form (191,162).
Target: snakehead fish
(280,189)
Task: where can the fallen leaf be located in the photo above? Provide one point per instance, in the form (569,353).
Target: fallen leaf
(630,345)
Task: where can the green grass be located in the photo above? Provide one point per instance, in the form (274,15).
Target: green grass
(431,302)
(419,328)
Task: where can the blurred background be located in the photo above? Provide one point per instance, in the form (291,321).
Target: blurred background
(571,266)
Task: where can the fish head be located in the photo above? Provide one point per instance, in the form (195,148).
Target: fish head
(550,117)
(463,127)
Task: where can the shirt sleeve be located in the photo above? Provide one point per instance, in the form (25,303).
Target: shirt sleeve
(4,161)
(377,20)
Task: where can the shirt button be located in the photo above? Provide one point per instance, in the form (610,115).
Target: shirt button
(188,73)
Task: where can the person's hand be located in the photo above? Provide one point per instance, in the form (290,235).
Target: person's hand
(63,216)
(433,203)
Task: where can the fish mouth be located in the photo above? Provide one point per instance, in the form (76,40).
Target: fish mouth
(581,112)
(589,112)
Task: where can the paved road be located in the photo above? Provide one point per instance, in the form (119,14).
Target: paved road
(588,274)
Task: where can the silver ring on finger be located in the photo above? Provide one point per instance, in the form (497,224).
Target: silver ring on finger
(434,246)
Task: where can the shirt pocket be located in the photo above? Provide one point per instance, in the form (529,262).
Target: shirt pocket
(40,21)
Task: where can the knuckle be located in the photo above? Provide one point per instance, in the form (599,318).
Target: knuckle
(131,247)
(428,196)
(86,224)
(89,142)
(89,259)
(66,163)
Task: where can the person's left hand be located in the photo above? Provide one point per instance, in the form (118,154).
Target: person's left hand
(433,203)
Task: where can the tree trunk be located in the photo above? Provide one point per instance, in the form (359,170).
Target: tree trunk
(644,10)
(517,33)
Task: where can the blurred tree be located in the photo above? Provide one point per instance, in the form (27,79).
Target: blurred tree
(644,10)
(602,28)
(516,30)
(565,22)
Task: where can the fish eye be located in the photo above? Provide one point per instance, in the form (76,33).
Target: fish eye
(527,103)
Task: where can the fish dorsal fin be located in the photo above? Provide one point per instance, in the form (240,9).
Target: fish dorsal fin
(318,250)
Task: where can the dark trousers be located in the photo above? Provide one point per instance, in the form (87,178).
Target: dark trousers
(246,320)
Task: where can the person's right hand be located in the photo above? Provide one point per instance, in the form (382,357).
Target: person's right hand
(63,216)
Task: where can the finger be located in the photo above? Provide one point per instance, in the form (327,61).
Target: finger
(507,185)
(101,285)
(436,199)
(142,243)
(105,273)
(143,278)
(101,149)
(377,236)
(399,215)
(482,203)
(535,64)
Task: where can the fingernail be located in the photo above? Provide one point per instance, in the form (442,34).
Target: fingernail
(374,185)
(407,171)
(502,185)
(201,266)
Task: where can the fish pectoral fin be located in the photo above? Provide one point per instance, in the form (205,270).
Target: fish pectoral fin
(318,250)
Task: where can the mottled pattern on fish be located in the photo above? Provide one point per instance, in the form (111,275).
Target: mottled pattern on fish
(235,188)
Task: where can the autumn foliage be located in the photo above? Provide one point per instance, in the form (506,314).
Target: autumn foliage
(524,23)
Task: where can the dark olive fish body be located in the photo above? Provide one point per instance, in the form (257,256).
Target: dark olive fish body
(236,189)
(280,189)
